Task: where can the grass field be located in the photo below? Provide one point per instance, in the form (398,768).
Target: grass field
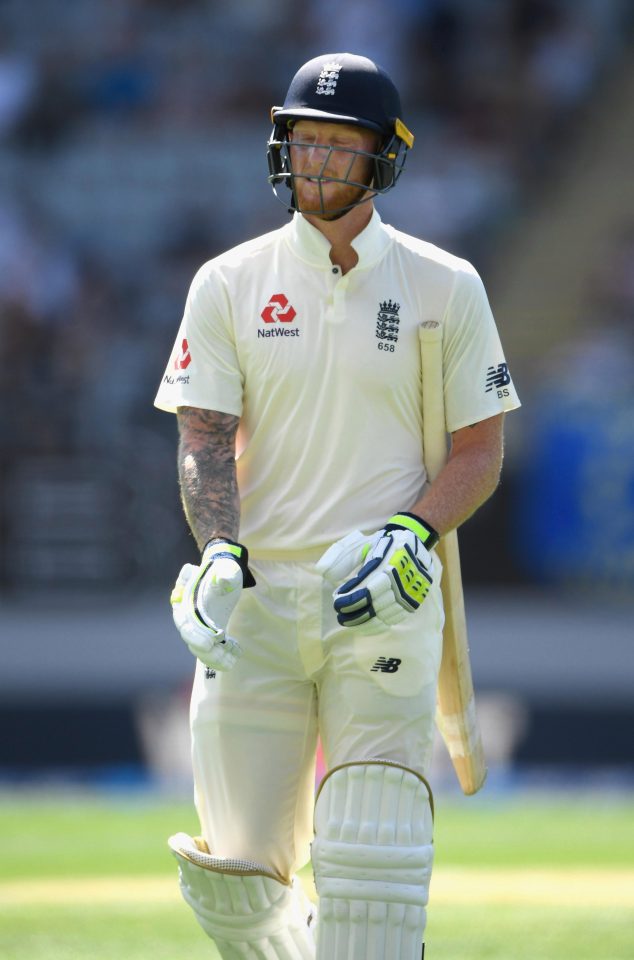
(532,879)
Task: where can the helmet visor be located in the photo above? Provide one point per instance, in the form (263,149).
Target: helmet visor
(310,169)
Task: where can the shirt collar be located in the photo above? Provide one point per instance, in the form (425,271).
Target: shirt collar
(312,246)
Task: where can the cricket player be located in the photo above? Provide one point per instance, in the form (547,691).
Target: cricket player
(316,610)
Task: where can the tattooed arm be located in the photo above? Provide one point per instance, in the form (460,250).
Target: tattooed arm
(207,473)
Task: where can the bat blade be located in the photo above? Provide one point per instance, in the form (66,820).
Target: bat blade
(456,716)
(455,702)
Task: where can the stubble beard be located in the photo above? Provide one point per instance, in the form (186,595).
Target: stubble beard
(337,207)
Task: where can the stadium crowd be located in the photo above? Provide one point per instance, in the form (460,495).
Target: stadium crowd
(128,131)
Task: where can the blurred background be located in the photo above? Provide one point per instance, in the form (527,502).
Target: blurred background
(132,149)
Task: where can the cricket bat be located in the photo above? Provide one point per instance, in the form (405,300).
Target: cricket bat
(455,703)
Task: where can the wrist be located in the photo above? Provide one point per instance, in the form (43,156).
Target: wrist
(217,545)
(223,547)
(404,520)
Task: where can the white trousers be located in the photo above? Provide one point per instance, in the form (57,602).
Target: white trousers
(302,676)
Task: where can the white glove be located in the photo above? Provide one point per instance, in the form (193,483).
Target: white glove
(393,571)
(204,597)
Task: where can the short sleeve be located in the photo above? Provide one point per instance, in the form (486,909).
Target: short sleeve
(203,369)
(477,380)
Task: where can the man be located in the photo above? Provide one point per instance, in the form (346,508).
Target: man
(296,380)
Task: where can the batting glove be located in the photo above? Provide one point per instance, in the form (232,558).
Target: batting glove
(394,574)
(204,597)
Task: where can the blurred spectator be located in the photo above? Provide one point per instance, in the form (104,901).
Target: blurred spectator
(18,85)
(563,63)
(379,29)
(120,81)
(55,108)
(30,407)
(615,281)
(36,268)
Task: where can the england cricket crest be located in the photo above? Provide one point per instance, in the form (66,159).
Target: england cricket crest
(328,79)
(387,321)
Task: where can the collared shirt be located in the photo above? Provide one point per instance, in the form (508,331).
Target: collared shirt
(324,371)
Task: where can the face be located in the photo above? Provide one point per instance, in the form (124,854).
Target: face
(328,150)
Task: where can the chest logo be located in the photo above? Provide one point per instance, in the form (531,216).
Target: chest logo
(278,308)
(387,322)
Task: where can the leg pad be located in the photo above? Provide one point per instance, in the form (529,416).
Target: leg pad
(372,858)
(245,908)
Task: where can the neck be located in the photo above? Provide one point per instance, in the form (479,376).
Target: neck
(340,233)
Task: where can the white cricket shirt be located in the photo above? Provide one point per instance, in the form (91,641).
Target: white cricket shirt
(324,372)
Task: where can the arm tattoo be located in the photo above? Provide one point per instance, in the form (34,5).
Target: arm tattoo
(207,473)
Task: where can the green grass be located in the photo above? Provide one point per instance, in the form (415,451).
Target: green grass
(523,933)
(88,837)
(71,837)
(567,832)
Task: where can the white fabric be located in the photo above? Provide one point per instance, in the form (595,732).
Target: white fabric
(324,371)
(250,915)
(372,859)
(255,727)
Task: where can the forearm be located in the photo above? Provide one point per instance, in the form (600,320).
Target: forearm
(467,480)
(207,474)
(457,493)
(210,497)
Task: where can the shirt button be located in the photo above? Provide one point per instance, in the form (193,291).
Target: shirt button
(335,269)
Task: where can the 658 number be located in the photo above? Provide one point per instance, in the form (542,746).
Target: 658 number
(388,347)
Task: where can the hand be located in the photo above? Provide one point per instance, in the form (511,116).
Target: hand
(204,597)
(394,574)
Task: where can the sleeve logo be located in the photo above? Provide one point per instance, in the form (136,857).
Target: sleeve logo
(184,358)
(498,377)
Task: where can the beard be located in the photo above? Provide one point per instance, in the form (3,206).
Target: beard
(327,200)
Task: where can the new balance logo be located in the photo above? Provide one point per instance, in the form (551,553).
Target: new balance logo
(498,377)
(386,665)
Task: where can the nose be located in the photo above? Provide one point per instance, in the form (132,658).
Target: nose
(314,158)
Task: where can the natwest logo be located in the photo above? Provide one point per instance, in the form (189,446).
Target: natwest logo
(278,308)
(184,358)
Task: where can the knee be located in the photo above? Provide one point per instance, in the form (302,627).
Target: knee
(374,819)
(373,848)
